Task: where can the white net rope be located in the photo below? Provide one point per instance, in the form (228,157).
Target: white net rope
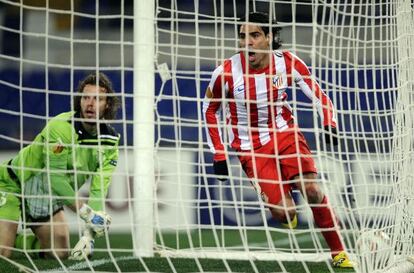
(353,50)
(359,52)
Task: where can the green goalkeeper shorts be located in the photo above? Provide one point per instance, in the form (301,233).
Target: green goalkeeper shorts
(10,205)
(39,203)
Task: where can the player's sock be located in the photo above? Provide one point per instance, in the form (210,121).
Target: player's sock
(323,219)
(32,243)
(292,224)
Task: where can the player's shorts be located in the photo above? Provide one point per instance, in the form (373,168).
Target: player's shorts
(38,202)
(9,195)
(284,157)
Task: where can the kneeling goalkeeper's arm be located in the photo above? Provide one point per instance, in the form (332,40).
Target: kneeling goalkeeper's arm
(59,179)
(102,179)
(97,221)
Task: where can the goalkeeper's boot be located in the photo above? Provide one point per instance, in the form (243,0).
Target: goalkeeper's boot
(292,224)
(341,260)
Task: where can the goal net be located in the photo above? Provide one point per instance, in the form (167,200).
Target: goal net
(170,212)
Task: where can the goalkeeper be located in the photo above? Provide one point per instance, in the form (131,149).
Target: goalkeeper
(72,148)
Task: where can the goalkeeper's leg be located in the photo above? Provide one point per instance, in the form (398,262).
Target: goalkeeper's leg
(9,212)
(9,219)
(8,232)
(54,235)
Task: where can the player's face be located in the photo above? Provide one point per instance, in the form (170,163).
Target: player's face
(93,102)
(255,44)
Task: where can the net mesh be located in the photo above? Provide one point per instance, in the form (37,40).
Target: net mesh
(359,52)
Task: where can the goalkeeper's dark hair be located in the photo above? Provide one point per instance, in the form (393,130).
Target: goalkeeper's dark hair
(103,81)
(266,24)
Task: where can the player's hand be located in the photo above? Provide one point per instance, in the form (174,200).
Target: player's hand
(221,170)
(331,135)
(84,248)
(97,221)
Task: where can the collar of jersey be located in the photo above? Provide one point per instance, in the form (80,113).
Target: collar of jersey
(84,137)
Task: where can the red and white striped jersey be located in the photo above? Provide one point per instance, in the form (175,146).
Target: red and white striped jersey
(255,101)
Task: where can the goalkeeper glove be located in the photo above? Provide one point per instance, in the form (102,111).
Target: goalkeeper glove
(84,248)
(331,135)
(221,170)
(97,221)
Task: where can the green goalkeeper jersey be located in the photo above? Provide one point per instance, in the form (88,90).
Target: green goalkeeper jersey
(69,156)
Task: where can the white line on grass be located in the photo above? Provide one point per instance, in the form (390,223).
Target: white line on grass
(83,265)
(284,241)
(94,263)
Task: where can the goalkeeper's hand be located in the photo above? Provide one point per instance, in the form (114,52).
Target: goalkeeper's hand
(84,248)
(97,221)
(331,135)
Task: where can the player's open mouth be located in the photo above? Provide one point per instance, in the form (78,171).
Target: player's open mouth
(252,56)
(90,114)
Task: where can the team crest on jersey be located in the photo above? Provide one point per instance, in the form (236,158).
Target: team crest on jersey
(277,81)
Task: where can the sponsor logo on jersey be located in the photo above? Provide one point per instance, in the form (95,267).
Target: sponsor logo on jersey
(238,89)
(58,148)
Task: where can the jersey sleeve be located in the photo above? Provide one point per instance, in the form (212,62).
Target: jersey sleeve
(301,75)
(212,105)
(59,137)
(103,177)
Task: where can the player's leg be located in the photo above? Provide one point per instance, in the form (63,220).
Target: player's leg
(8,232)
(298,160)
(263,170)
(54,235)
(9,212)
(9,219)
(324,218)
(52,232)
(322,213)
(285,211)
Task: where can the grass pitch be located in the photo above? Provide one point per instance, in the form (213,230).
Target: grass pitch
(116,256)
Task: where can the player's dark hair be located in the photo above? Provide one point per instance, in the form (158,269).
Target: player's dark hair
(262,19)
(103,81)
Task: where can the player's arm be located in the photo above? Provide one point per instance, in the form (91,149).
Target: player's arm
(212,105)
(59,137)
(98,191)
(102,179)
(303,78)
(59,140)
